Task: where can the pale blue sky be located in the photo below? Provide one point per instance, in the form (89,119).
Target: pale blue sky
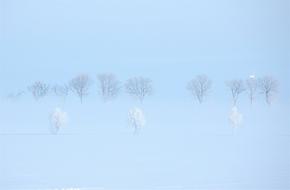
(166,40)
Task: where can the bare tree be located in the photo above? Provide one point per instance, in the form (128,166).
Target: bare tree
(139,87)
(268,86)
(61,90)
(199,87)
(109,86)
(80,85)
(237,87)
(39,89)
(252,86)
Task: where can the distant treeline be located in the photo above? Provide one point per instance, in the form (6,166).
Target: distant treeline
(109,87)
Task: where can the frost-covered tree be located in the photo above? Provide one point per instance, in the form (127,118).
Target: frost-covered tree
(252,86)
(236,87)
(139,87)
(109,86)
(136,118)
(199,87)
(269,87)
(58,120)
(235,117)
(80,85)
(38,89)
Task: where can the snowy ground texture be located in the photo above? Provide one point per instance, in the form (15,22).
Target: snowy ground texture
(184,145)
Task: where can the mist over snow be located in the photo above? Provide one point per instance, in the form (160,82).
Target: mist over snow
(147,94)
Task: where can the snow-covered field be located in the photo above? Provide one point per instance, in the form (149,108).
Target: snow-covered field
(184,145)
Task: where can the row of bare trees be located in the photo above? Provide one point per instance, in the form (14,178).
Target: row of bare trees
(108,87)
(201,85)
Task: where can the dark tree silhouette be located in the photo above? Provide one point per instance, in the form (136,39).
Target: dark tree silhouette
(80,85)
(199,87)
(139,87)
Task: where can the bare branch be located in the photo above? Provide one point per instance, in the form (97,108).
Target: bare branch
(268,86)
(109,86)
(199,87)
(236,87)
(39,89)
(15,95)
(252,86)
(80,85)
(61,90)
(139,87)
